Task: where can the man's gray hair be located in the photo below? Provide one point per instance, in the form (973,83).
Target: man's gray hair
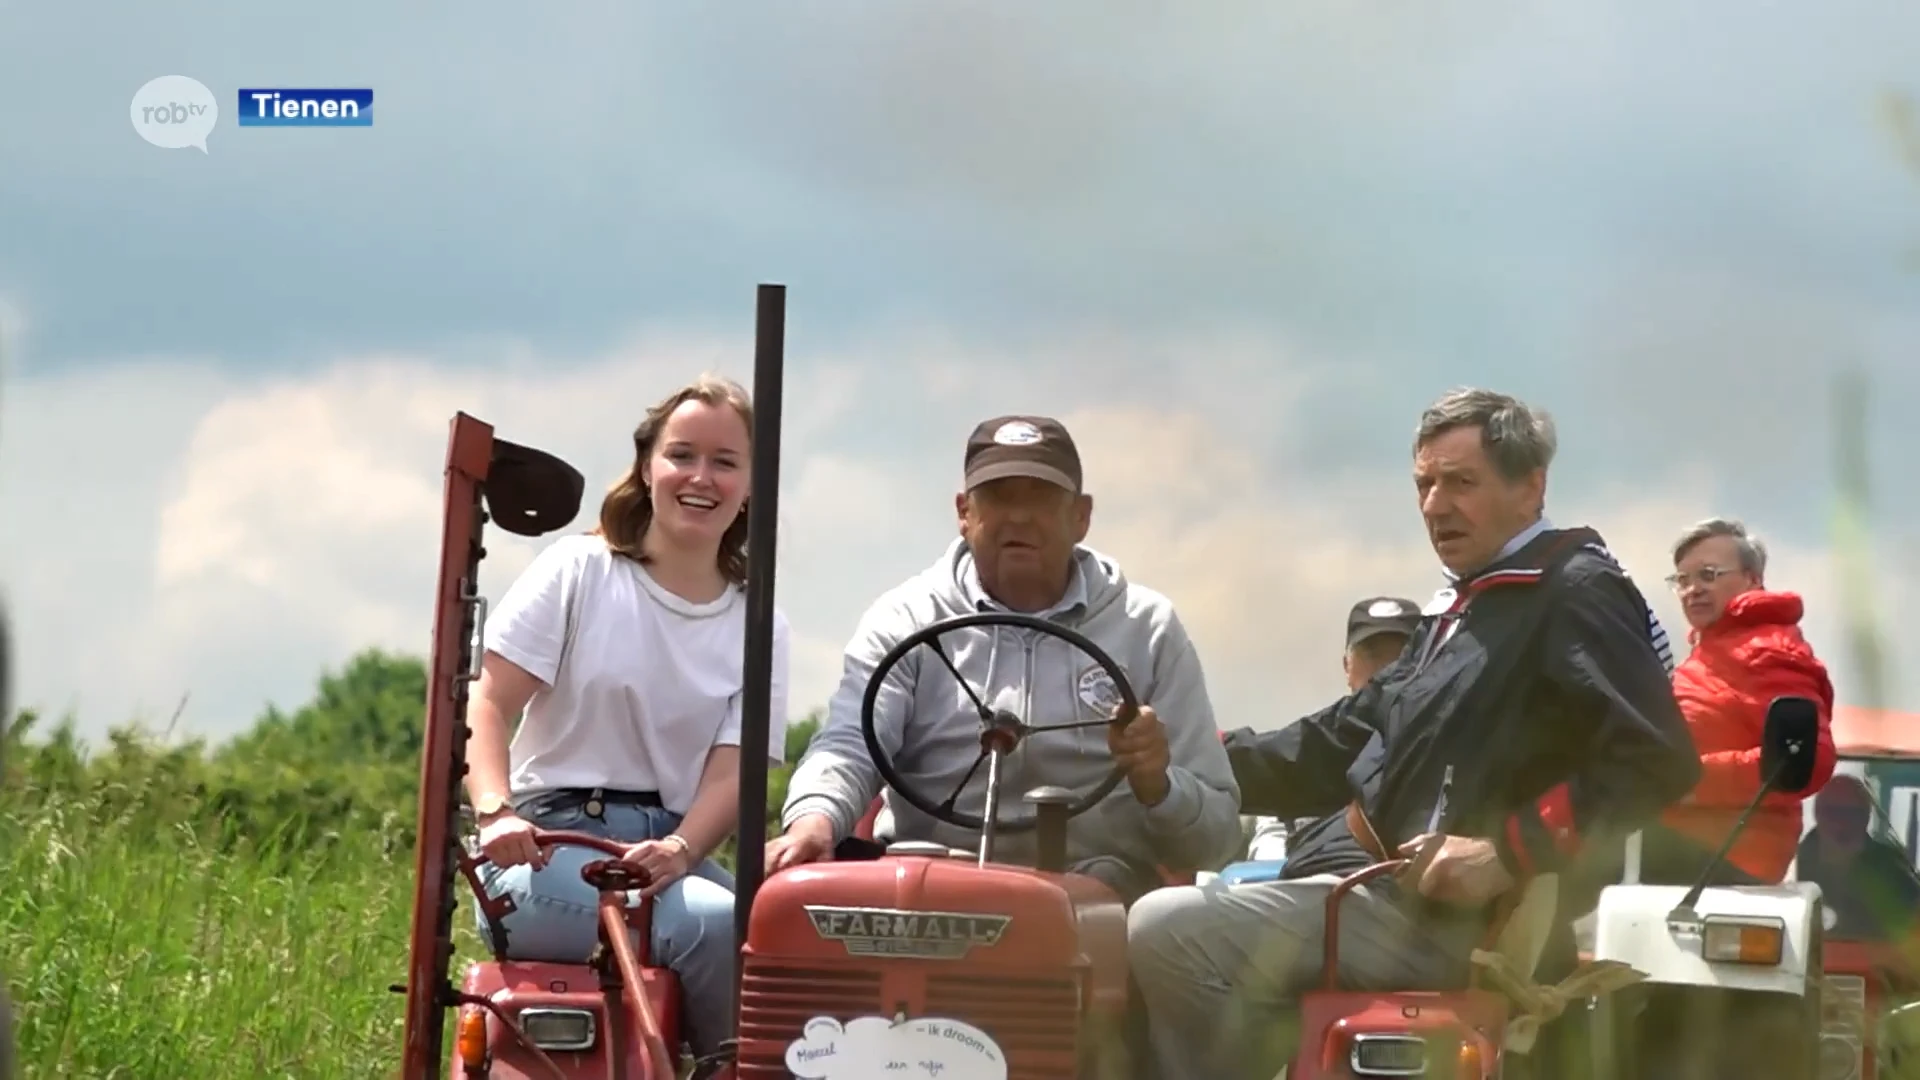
(1517,437)
(1753,553)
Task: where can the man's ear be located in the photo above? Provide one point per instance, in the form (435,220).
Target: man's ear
(1082,516)
(960,510)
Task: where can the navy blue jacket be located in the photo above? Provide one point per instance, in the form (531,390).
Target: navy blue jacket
(1538,691)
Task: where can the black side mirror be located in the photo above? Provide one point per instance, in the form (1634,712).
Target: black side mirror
(1788,748)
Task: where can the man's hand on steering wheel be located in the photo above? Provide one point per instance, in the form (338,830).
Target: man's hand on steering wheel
(1140,748)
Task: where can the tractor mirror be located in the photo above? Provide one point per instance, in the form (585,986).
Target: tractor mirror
(1787,749)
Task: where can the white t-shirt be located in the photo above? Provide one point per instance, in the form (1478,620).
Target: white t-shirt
(649,684)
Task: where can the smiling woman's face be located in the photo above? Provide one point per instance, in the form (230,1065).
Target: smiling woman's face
(698,475)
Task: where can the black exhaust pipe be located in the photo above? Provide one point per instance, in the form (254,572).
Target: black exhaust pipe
(763,512)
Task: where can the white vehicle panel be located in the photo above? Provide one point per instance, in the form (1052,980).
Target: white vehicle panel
(1631,927)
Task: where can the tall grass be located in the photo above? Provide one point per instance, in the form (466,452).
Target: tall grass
(145,951)
(168,913)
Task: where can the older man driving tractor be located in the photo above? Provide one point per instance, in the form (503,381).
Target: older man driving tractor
(1022,518)
(1529,718)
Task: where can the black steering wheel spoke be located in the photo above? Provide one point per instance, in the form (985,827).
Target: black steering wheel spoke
(953,800)
(1002,731)
(1038,728)
(986,714)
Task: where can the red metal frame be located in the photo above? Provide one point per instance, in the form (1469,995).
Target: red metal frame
(438,856)
(1330,1017)
(629,1013)
(622,969)
(1330,948)
(469,457)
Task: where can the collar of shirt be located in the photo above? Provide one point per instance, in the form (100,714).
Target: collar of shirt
(1522,539)
(1073,600)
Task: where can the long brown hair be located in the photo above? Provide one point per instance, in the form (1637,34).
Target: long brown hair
(627,510)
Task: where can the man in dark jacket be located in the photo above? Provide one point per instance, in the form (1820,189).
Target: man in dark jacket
(1529,720)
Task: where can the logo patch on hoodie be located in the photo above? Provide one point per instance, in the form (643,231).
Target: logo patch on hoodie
(1097,690)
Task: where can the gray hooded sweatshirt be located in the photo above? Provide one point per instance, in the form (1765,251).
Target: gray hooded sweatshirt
(931,731)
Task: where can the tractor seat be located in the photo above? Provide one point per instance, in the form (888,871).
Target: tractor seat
(530,492)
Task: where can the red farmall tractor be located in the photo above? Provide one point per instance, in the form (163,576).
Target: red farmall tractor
(909,961)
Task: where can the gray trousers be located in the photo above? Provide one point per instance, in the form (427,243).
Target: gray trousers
(1220,967)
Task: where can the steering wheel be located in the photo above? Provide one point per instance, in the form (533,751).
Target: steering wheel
(608,874)
(999,729)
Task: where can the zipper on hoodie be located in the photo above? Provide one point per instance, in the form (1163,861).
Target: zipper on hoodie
(1027,645)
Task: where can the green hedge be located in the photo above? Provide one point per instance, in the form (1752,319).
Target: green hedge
(345,763)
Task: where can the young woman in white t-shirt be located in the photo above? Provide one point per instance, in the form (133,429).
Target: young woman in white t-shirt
(625,649)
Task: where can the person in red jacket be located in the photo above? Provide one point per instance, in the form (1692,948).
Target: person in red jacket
(1747,650)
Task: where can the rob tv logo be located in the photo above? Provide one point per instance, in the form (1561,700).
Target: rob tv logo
(281,107)
(174,112)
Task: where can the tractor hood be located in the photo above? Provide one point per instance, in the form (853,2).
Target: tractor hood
(943,910)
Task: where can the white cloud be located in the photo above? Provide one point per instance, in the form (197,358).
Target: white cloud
(170,531)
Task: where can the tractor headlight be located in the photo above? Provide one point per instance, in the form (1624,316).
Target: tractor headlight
(1743,939)
(1388,1055)
(1843,1006)
(1840,1058)
(558,1029)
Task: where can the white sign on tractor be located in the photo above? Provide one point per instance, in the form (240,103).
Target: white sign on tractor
(866,1047)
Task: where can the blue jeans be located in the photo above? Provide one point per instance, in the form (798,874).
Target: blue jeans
(557,915)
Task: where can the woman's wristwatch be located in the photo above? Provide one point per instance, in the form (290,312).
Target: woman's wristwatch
(490,807)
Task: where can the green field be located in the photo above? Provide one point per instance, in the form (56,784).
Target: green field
(174,910)
(136,953)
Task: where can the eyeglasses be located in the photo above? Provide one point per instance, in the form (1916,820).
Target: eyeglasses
(1706,575)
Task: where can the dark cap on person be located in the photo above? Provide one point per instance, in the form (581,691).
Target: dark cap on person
(1032,446)
(1381,615)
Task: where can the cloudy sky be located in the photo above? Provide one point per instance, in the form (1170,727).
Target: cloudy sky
(1236,248)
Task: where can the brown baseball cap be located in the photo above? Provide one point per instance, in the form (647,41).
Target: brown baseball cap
(1032,446)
